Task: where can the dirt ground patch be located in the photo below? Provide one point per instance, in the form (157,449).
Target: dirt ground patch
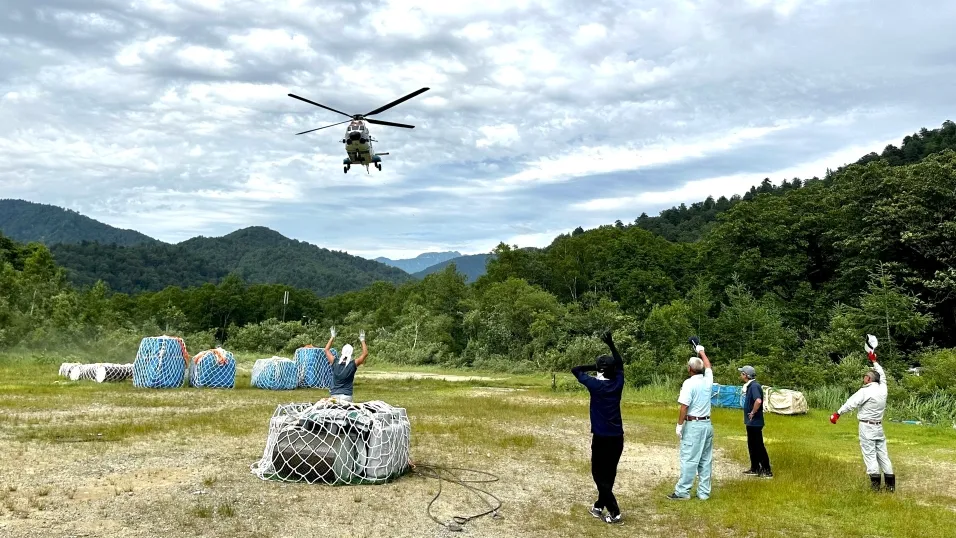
(183,484)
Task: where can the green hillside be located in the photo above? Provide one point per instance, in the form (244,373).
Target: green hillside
(256,254)
(689,223)
(29,221)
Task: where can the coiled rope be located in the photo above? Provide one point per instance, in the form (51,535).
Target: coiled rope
(457,522)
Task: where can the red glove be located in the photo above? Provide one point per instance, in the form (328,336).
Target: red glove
(834,417)
(870,347)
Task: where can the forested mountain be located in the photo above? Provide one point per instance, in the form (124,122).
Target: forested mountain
(421,262)
(29,221)
(471,265)
(683,223)
(256,254)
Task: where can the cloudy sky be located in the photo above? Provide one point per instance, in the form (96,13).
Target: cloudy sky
(171,116)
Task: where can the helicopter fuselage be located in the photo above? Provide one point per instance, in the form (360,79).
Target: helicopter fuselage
(358,144)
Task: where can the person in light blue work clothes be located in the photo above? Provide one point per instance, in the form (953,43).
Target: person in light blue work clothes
(694,429)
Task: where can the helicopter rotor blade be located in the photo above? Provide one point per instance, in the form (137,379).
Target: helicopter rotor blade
(389,123)
(326,127)
(397,101)
(317,104)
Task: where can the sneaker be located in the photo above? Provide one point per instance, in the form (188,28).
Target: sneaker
(613,519)
(751,472)
(597,512)
(767,474)
(675,497)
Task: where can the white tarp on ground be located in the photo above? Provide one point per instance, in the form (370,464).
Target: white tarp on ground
(784,401)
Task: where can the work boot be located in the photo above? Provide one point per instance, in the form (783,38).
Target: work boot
(890,482)
(875,482)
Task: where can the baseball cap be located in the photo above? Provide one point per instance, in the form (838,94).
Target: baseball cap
(346,352)
(749,370)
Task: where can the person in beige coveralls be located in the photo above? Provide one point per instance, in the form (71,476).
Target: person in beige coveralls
(871,402)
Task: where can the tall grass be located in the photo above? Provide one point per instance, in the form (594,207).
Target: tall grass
(938,408)
(827,397)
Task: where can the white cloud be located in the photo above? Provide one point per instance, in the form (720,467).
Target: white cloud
(590,33)
(150,112)
(698,189)
(504,135)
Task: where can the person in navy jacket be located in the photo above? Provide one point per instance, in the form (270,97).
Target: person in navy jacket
(607,427)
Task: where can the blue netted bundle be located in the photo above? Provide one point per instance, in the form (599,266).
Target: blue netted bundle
(277,373)
(313,366)
(726,396)
(160,362)
(214,368)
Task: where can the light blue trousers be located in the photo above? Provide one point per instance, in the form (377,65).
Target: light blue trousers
(696,458)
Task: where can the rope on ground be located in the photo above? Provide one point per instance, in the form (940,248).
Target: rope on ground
(435,471)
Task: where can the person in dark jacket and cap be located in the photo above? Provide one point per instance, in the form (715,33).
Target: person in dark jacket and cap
(607,427)
(752,405)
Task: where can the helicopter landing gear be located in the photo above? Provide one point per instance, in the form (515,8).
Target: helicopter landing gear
(379,166)
(345,169)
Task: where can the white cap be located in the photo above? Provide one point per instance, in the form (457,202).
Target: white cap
(346,353)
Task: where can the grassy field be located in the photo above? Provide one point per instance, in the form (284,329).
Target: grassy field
(87,459)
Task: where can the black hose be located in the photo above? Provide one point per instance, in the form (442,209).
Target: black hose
(435,471)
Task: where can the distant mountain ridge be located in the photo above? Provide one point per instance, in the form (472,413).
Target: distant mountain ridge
(421,262)
(470,265)
(26,222)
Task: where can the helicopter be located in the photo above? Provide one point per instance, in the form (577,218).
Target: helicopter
(358,141)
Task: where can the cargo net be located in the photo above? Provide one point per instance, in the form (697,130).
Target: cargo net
(336,443)
(277,373)
(314,368)
(100,372)
(215,368)
(160,362)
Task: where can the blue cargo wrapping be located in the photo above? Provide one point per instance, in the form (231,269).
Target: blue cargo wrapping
(313,367)
(726,396)
(160,363)
(215,368)
(277,373)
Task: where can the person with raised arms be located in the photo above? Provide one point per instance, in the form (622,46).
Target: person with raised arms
(607,427)
(343,370)
(871,402)
(694,429)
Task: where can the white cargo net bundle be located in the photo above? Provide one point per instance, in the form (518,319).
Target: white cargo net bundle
(336,443)
(99,372)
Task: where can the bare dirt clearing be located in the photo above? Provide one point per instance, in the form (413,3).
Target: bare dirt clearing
(182,483)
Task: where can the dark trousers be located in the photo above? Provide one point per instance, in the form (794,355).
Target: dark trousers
(759,459)
(605,455)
